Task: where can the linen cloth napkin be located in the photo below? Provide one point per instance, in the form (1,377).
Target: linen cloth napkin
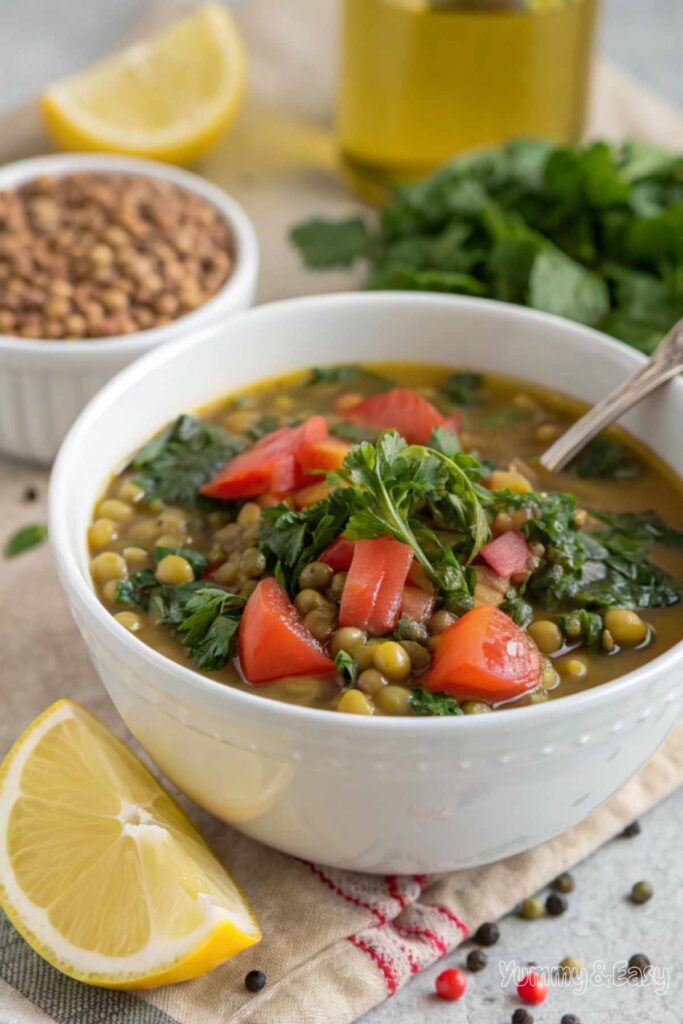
(335,943)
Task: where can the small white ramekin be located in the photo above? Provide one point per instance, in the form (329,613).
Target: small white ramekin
(44,384)
(398,795)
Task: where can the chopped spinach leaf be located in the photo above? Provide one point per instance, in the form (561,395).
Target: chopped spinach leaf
(424,703)
(644,526)
(25,538)
(584,625)
(519,610)
(605,458)
(463,388)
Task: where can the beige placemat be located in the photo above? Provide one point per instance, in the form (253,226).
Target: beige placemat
(335,943)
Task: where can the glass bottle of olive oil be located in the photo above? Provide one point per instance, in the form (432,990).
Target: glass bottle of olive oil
(422,80)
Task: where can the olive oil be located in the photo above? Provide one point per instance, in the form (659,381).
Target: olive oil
(420,83)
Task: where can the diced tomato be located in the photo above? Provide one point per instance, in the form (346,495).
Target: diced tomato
(417,605)
(269,466)
(373,591)
(273,641)
(398,409)
(306,496)
(326,454)
(339,554)
(507,554)
(484,656)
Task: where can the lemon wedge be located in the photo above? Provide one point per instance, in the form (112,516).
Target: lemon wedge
(100,870)
(169,97)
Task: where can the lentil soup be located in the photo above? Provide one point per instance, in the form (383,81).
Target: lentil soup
(383,540)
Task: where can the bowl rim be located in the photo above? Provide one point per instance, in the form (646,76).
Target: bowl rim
(244,271)
(274,712)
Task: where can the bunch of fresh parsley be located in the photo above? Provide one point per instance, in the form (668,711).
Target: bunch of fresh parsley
(592,233)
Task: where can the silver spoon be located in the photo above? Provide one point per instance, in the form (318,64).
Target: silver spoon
(665,363)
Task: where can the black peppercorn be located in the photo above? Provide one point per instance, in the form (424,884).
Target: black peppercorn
(556,904)
(30,494)
(564,883)
(631,830)
(522,1016)
(570,1018)
(255,981)
(476,960)
(487,934)
(638,966)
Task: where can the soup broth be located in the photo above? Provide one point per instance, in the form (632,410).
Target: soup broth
(153,529)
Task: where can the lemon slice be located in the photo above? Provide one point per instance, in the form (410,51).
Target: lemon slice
(100,870)
(169,97)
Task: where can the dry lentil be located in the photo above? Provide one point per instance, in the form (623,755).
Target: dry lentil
(570,966)
(96,254)
(638,966)
(631,830)
(522,1016)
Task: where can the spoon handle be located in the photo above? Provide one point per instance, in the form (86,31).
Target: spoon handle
(665,363)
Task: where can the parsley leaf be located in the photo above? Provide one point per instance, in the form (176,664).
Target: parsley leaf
(346,667)
(393,481)
(179,460)
(24,539)
(584,625)
(590,232)
(424,703)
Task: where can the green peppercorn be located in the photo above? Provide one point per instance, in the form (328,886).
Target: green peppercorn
(641,892)
(570,966)
(476,960)
(531,908)
(556,904)
(564,883)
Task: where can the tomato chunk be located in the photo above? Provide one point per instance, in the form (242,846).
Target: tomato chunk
(273,641)
(484,656)
(339,554)
(270,466)
(324,455)
(507,554)
(399,409)
(373,592)
(417,604)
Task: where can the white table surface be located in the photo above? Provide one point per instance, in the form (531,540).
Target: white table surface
(43,39)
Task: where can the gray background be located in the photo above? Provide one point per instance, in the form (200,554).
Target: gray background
(43,39)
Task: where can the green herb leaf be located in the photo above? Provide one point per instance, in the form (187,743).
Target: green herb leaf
(197,561)
(346,667)
(584,625)
(322,244)
(332,375)
(591,232)
(519,610)
(605,458)
(463,388)
(642,526)
(424,703)
(25,538)
(184,456)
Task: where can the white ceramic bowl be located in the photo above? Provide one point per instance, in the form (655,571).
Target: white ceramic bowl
(44,384)
(372,794)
